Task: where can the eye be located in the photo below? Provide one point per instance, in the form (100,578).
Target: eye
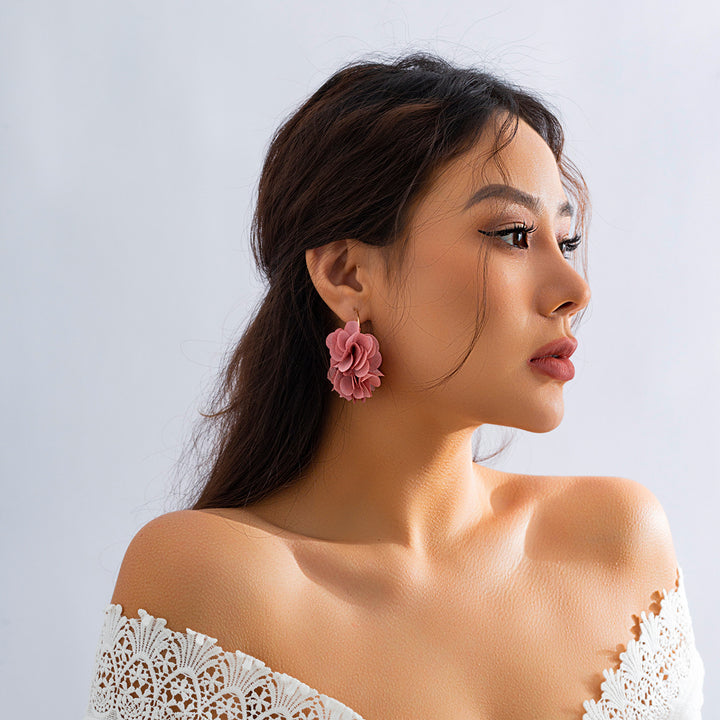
(570,245)
(567,246)
(512,232)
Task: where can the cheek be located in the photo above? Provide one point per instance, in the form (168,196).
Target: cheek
(447,303)
(508,330)
(433,319)
(438,311)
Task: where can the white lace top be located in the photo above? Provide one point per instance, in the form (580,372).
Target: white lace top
(145,671)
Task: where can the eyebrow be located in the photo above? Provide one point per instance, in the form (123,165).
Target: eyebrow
(508,192)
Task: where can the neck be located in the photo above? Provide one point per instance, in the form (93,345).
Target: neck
(387,472)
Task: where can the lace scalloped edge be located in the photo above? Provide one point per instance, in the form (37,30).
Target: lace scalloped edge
(652,668)
(660,659)
(235,679)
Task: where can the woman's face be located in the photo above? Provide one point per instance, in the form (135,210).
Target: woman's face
(532,291)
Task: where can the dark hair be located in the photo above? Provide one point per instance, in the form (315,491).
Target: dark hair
(351,162)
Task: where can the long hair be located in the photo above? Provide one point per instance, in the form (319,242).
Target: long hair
(351,162)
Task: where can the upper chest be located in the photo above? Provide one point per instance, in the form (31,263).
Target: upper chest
(502,630)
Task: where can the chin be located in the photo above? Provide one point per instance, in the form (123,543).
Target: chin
(545,425)
(537,419)
(546,418)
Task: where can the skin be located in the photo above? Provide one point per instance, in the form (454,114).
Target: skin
(398,467)
(397,559)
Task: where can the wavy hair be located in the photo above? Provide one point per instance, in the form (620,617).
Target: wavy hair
(351,162)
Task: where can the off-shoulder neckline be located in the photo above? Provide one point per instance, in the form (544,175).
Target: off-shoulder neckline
(329,702)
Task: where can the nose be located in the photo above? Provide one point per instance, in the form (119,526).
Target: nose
(565,291)
(581,298)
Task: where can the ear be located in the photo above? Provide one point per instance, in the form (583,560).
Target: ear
(339,272)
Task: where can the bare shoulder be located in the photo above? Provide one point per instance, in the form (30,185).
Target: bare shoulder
(189,566)
(639,527)
(613,525)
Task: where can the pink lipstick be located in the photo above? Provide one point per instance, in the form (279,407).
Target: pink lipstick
(553,359)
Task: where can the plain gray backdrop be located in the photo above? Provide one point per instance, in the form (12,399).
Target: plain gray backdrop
(132,135)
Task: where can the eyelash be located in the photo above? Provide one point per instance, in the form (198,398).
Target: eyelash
(568,245)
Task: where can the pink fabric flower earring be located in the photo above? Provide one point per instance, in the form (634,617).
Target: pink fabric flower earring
(354,361)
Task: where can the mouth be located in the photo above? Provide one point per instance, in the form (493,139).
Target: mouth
(560,349)
(556,367)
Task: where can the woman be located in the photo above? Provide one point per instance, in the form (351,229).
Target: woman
(346,557)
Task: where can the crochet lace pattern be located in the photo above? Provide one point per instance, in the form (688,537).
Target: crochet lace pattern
(661,673)
(145,671)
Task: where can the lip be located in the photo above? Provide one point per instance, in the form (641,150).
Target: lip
(556,368)
(560,367)
(563,347)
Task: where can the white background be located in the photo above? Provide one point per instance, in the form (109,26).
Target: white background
(131,138)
